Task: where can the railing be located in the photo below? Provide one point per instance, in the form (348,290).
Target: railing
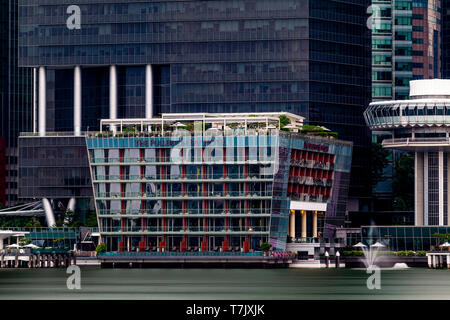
(52,134)
(179,178)
(416,140)
(309,198)
(171,160)
(183,229)
(160,194)
(178,254)
(181,213)
(312,164)
(312,181)
(180,133)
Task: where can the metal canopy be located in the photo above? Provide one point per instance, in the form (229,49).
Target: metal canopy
(24,210)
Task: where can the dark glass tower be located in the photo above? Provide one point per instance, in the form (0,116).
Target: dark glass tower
(308,57)
(15,100)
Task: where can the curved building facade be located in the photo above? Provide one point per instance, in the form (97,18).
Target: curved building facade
(421,125)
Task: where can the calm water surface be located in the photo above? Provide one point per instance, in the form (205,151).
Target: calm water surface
(233,284)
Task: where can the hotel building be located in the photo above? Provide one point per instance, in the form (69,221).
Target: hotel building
(207,182)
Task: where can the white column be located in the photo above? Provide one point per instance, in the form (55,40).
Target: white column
(425,188)
(148,92)
(71,205)
(35,100)
(447,154)
(441,188)
(292,225)
(113,94)
(418,186)
(303,224)
(42,100)
(314,226)
(49,216)
(77,101)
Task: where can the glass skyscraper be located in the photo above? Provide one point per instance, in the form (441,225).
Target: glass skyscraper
(16,94)
(140,59)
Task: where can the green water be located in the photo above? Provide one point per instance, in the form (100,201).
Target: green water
(204,284)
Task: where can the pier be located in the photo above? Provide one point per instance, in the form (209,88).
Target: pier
(438,260)
(189,260)
(36,260)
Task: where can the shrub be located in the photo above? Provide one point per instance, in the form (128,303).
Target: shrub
(265,246)
(401,254)
(354,253)
(101,247)
(421,253)
(410,254)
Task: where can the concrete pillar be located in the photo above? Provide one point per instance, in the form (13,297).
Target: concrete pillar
(338,259)
(77,101)
(434,261)
(35,100)
(113,94)
(1,243)
(447,154)
(419,188)
(71,204)
(148,91)
(448,261)
(49,216)
(314,224)
(303,223)
(292,225)
(42,100)
(430,263)
(441,188)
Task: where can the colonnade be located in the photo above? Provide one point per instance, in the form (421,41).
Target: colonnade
(303,234)
(77,100)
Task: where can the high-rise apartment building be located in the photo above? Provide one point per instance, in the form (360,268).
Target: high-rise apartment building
(406,45)
(15,100)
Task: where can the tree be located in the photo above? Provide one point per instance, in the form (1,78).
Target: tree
(69,217)
(403,183)
(284,121)
(24,241)
(91,220)
(265,246)
(101,247)
(379,161)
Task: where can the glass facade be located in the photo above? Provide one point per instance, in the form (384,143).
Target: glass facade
(54,167)
(403,238)
(306,57)
(172,194)
(16,89)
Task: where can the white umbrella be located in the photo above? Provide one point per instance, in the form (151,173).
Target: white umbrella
(271,127)
(290,126)
(359,245)
(12,246)
(33,246)
(377,245)
(324,129)
(178,125)
(446,244)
